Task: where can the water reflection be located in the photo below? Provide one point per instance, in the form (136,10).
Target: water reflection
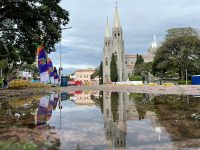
(46,105)
(105,120)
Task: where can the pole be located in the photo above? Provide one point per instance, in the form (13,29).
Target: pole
(60,70)
(60,57)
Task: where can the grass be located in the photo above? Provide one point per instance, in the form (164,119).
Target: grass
(9,145)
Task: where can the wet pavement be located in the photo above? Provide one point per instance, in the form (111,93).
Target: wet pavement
(101,121)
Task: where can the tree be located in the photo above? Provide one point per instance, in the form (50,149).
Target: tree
(114,105)
(101,73)
(180,32)
(113,69)
(176,56)
(95,74)
(139,65)
(139,60)
(25,24)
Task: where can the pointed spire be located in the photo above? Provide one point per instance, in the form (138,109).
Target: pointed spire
(117,20)
(107,34)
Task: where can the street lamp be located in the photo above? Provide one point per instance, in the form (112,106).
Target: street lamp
(60,69)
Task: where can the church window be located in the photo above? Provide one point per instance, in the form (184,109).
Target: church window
(115,35)
(106,61)
(117,140)
(125,62)
(118,34)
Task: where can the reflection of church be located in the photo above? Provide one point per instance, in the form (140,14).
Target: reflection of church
(118,108)
(114,44)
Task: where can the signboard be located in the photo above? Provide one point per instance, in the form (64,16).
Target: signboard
(63,81)
(64,96)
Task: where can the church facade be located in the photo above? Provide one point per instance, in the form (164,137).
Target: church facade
(114,44)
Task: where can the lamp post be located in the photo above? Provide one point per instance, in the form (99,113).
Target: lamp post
(60,69)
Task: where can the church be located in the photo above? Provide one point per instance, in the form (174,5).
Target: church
(114,44)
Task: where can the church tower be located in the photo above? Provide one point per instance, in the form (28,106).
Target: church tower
(118,47)
(107,52)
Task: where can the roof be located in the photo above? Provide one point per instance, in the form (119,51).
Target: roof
(85,70)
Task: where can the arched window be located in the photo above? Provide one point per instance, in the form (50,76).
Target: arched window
(106,61)
(115,35)
(118,34)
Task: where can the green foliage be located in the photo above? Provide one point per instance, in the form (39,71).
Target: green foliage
(114,105)
(135,78)
(113,69)
(177,55)
(101,73)
(180,32)
(139,60)
(25,24)
(18,145)
(136,96)
(143,68)
(183,82)
(95,74)
(3,64)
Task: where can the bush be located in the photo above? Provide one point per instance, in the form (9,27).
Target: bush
(19,83)
(135,78)
(168,84)
(152,84)
(183,82)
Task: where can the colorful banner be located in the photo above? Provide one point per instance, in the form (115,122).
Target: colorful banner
(42,59)
(50,67)
(56,76)
(44,77)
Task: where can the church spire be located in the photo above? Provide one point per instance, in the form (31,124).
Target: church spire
(117,20)
(107,34)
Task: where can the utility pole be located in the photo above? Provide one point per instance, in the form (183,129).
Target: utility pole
(60,69)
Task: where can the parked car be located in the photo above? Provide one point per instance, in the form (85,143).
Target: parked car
(74,83)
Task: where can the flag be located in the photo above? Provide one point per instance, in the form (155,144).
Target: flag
(42,64)
(42,59)
(56,76)
(50,67)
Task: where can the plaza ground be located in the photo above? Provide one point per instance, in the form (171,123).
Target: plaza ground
(150,89)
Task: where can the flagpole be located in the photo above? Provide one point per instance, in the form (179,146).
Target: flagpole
(60,69)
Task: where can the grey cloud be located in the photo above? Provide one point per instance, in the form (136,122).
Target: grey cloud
(140,20)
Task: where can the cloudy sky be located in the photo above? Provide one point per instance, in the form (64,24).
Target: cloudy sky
(140,19)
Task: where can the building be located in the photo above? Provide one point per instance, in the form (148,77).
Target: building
(84,75)
(84,97)
(25,74)
(114,45)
